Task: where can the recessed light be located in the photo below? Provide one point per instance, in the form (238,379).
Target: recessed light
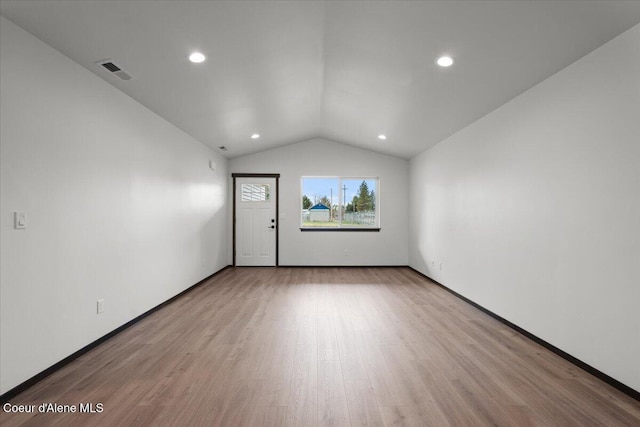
(197,57)
(445,61)
(382,137)
(255,136)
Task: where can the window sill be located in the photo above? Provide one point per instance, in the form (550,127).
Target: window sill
(341,229)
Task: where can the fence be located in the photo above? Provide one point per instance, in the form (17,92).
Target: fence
(359,218)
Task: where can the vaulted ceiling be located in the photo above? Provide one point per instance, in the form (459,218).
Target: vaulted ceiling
(346,71)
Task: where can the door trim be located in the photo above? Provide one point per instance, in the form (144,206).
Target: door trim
(257,175)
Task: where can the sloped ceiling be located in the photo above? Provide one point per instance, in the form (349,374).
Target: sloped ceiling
(345,71)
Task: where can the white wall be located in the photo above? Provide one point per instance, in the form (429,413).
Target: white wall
(121,205)
(534,210)
(321,157)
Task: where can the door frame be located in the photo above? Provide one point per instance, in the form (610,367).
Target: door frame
(257,175)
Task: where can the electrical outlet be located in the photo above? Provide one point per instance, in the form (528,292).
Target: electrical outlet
(19,220)
(440,265)
(100,306)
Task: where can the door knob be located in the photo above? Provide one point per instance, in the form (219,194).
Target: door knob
(272,226)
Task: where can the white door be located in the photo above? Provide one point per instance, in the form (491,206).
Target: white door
(256,221)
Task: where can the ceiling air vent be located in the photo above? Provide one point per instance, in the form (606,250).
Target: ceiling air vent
(114,69)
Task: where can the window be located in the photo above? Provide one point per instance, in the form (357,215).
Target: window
(340,203)
(254,192)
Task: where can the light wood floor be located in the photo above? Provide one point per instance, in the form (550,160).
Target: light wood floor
(324,347)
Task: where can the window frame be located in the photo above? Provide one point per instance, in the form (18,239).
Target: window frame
(340,227)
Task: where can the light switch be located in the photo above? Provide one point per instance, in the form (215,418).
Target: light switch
(212,165)
(19,220)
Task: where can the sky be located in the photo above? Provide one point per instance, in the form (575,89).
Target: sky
(318,186)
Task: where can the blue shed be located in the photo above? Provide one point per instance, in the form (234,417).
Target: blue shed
(319,213)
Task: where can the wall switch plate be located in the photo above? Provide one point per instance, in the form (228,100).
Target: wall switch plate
(212,165)
(100,306)
(19,220)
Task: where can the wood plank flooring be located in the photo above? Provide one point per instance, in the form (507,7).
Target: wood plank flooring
(324,347)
